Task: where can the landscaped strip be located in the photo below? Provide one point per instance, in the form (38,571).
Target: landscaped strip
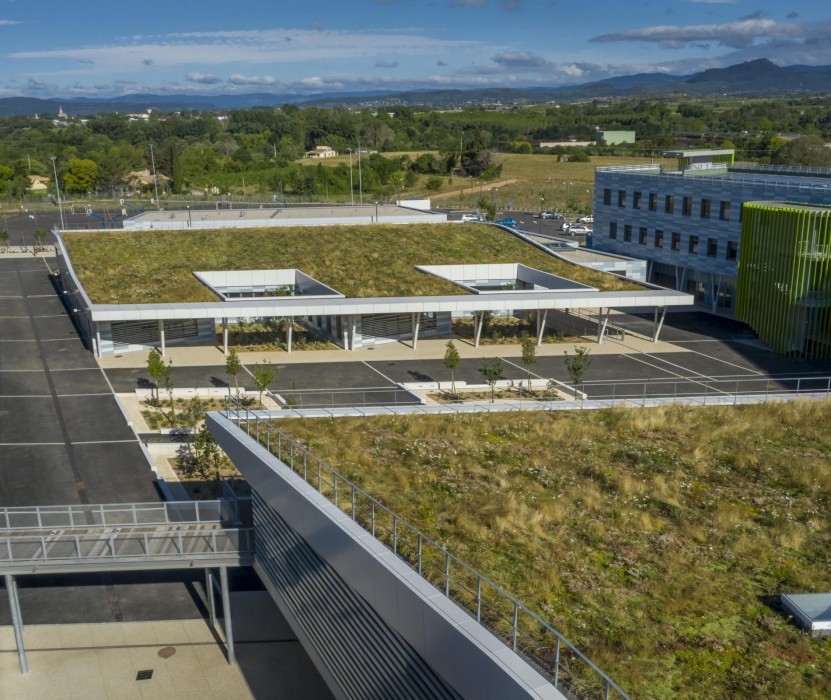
(359,261)
(657,540)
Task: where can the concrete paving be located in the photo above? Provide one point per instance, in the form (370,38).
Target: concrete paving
(186,659)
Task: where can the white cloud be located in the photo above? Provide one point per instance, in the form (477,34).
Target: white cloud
(734,34)
(237,79)
(202,78)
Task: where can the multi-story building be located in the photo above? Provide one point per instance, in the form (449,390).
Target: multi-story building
(687,223)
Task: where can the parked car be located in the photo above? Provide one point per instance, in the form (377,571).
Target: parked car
(507,222)
(586,219)
(579,231)
(550,215)
(470,217)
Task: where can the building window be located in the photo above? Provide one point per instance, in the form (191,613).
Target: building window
(669,204)
(636,200)
(732,250)
(676,241)
(705,208)
(659,239)
(621,198)
(607,196)
(712,247)
(693,245)
(724,211)
(642,235)
(653,201)
(627,233)
(613,229)
(686,206)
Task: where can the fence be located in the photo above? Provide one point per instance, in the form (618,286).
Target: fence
(571,672)
(118,515)
(327,398)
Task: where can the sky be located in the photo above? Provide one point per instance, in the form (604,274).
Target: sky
(56,48)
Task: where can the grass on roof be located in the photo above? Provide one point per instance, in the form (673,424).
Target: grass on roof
(359,261)
(653,538)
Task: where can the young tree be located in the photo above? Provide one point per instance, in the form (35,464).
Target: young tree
(492,373)
(233,367)
(529,357)
(263,375)
(4,239)
(451,361)
(155,369)
(203,456)
(40,236)
(167,383)
(576,366)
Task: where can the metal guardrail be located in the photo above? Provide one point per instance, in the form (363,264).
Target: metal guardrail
(328,398)
(570,671)
(703,389)
(119,515)
(137,546)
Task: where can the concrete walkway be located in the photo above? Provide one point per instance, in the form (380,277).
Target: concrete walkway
(102,660)
(431,349)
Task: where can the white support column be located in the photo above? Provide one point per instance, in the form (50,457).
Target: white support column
(601,327)
(226,613)
(161,336)
(416,326)
(478,322)
(97,340)
(542,318)
(209,592)
(17,622)
(717,280)
(353,331)
(225,336)
(659,323)
(289,332)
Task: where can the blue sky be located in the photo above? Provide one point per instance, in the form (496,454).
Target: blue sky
(56,48)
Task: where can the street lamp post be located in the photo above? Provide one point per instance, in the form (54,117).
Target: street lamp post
(58,190)
(155,181)
(351,186)
(360,178)
(376,212)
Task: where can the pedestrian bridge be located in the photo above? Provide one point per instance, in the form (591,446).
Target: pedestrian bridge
(123,537)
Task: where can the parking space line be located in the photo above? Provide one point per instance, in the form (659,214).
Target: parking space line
(25,396)
(29,444)
(102,442)
(691,380)
(724,362)
(523,368)
(101,393)
(381,373)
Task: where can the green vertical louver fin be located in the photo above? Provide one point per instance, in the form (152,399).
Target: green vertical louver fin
(783,289)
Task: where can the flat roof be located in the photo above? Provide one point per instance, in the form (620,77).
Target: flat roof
(792,206)
(699,152)
(359,261)
(225,216)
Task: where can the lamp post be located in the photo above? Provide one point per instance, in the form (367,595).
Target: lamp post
(155,181)
(376,212)
(360,179)
(351,186)
(58,190)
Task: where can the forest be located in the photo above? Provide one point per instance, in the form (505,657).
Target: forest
(260,151)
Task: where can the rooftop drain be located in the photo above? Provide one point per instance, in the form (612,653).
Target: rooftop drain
(265,284)
(504,278)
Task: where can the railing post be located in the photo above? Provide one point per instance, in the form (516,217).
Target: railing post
(353,501)
(319,482)
(447,574)
(280,446)
(305,455)
(557,663)
(798,385)
(335,486)
(373,517)
(418,557)
(606,689)
(394,534)
(516,619)
(268,439)
(478,598)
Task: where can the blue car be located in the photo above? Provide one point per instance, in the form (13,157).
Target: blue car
(507,222)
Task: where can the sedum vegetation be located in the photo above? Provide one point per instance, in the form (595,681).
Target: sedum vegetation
(657,540)
(359,261)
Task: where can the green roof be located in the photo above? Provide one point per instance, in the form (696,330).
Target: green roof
(129,267)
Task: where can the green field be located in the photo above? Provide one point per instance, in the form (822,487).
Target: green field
(359,261)
(657,540)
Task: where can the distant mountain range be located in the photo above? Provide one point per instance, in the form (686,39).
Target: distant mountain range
(761,78)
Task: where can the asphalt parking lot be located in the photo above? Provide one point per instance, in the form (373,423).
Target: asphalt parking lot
(64,440)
